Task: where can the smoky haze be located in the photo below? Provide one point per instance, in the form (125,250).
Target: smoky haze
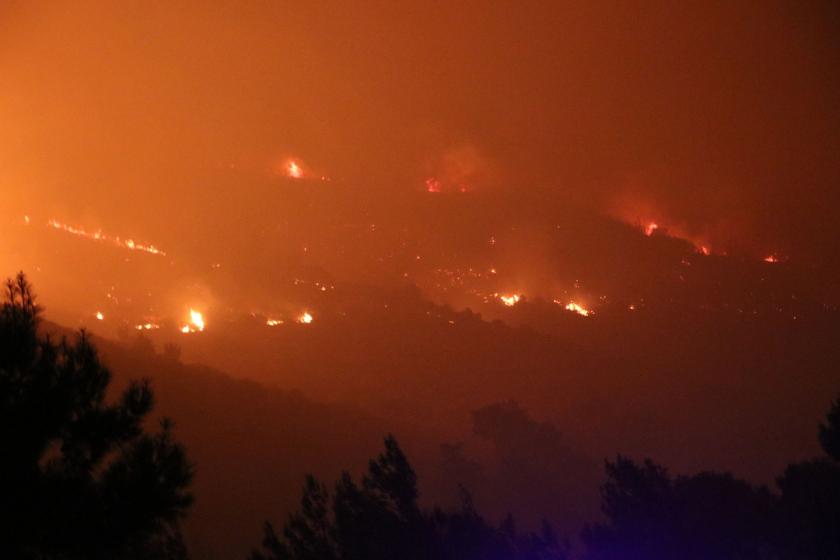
(713,117)
(523,236)
(473,150)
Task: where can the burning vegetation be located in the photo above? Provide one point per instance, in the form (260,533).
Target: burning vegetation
(97,235)
(195,324)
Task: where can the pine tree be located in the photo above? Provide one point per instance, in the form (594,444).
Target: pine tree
(79,476)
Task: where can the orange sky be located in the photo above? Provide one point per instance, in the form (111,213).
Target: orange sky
(712,112)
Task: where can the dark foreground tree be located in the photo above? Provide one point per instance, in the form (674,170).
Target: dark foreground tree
(810,502)
(79,478)
(380,519)
(652,516)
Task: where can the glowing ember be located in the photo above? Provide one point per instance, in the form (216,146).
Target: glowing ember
(650,228)
(305,318)
(510,300)
(703,250)
(275,322)
(771,259)
(99,236)
(575,307)
(294,170)
(100,316)
(196,323)
(147,326)
(433,185)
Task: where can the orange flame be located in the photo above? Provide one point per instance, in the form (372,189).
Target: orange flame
(196,323)
(99,236)
(305,318)
(294,170)
(432,185)
(575,307)
(510,300)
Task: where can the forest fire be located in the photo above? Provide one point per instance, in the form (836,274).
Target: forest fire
(196,323)
(510,300)
(99,236)
(294,170)
(576,308)
(433,185)
(531,248)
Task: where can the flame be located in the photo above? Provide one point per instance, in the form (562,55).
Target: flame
(305,318)
(275,322)
(197,319)
(432,185)
(196,323)
(294,170)
(575,307)
(99,236)
(147,327)
(771,259)
(100,316)
(703,250)
(510,300)
(650,228)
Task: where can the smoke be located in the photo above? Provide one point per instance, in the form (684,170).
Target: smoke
(720,120)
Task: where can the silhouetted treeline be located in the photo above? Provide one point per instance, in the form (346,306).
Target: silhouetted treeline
(649,515)
(380,519)
(79,477)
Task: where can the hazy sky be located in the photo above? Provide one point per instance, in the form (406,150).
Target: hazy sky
(721,117)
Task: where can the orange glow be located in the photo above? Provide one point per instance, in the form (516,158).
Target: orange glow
(305,318)
(197,319)
(433,185)
(575,307)
(510,300)
(294,170)
(100,316)
(147,326)
(196,323)
(99,236)
(274,322)
(650,228)
(771,259)
(703,250)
